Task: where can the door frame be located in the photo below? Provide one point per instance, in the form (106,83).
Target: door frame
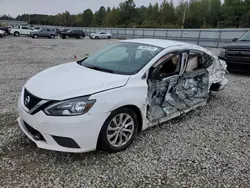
(182,66)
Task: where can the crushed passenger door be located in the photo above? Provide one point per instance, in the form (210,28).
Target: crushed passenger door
(175,94)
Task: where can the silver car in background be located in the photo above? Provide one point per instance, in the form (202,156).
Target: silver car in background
(100,35)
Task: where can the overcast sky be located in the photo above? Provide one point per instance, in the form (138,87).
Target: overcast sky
(17,7)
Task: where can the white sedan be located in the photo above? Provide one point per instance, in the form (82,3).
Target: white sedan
(101,35)
(103,101)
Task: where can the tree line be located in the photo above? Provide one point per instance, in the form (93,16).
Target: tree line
(199,14)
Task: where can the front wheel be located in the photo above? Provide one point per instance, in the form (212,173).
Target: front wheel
(67,36)
(96,37)
(16,34)
(52,36)
(109,37)
(119,130)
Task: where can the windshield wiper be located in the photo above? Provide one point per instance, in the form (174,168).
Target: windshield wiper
(99,68)
(80,61)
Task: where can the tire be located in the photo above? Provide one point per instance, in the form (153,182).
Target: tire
(109,37)
(81,37)
(67,37)
(52,36)
(5,33)
(16,34)
(117,132)
(35,36)
(96,37)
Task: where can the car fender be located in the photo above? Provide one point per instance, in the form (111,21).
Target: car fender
(134,93)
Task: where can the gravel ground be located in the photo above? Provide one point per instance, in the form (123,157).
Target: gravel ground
(209,147)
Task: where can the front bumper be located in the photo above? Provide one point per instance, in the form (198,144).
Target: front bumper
(74,134)
(236,64)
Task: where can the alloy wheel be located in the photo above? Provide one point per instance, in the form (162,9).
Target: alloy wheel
(120,130)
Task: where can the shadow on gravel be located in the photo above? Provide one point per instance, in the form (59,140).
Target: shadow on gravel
(235,73)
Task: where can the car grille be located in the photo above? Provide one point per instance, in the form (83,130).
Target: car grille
(30,100)
(241,53)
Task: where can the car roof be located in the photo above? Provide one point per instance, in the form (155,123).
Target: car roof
(163,43)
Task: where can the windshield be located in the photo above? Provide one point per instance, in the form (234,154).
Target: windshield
(122,58)
(245,37)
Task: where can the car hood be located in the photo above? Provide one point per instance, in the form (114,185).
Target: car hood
(72,80)
(238,45)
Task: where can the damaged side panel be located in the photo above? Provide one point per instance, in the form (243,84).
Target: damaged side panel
(177,94)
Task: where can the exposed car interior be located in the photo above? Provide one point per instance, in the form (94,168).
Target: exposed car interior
(169,65)
(197,61)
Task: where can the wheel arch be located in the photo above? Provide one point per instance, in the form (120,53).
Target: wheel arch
(137,111)
(132,107)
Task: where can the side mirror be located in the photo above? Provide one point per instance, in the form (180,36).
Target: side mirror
(234,39)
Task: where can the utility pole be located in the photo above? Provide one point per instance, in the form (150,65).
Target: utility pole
(184,15)
(209,5)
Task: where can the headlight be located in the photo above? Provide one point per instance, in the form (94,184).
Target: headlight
(71,107)
(222,52)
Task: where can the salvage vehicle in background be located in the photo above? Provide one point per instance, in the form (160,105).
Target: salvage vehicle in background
(36,28)
(237,54)
(6,30)
(100,35)
(73,33)
(21,30)
(44,32)
(103,101)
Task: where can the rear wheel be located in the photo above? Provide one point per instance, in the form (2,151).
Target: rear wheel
(81,37)
(35,36)
(119,130)
(16,34)
(109,37)
(67,36)
(52,36)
